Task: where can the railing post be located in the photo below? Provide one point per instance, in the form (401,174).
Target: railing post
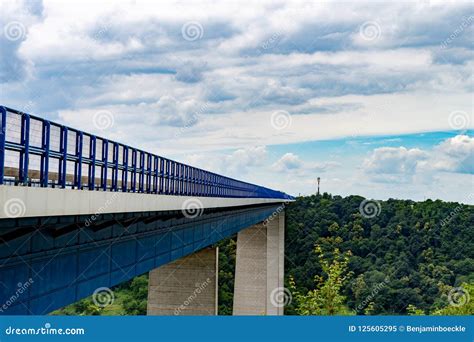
(221,186)
(190,181)
(92,154)
(162,175)
(181,179)
(172,177)
(141,179)
(79,142)
(63,161)
(208,183)
(44,172)
(167,176)
(25,143)
(134,174)
(214,185)
(186,180)
(125,171)
(193,181)
(148,176)
(204,183)
(3,134)
(211,184)
(115,170)
(198,182)
(105,155)
(155,176)
(200,175)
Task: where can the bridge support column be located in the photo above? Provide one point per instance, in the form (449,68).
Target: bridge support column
(259,268)
(187,286)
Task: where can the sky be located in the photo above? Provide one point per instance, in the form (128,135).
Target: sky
(375,98)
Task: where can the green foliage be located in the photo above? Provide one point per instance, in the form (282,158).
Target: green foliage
(130,298)
(414,311)
(227,249)
(411,253)
(135,297)
(326,298)
(460,303)
(84,307)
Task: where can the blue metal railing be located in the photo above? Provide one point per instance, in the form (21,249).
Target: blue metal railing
(38,152)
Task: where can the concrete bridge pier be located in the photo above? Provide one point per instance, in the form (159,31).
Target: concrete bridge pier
(259,270)
(185,287)
(188,286)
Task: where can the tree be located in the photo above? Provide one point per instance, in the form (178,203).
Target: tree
(135,299)
(459,299)
(326,298)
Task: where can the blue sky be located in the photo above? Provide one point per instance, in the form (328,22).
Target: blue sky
(373,97)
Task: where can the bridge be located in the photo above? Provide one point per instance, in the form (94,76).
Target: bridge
(80,213)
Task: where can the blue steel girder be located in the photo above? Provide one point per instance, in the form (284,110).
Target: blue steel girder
(64,259)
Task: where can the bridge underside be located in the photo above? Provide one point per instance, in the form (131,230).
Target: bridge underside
(49,262)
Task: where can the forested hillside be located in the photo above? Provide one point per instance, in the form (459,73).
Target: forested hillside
(350,256)
(408,253)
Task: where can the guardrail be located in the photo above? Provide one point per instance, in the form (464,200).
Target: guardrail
(38,152)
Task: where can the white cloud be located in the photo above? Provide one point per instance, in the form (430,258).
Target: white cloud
(455,155)
(240,160)
(291,163)
(394,160)
(399,164)
(169,111)
(288,162)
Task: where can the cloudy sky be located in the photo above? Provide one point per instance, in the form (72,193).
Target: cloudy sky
(375,98)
